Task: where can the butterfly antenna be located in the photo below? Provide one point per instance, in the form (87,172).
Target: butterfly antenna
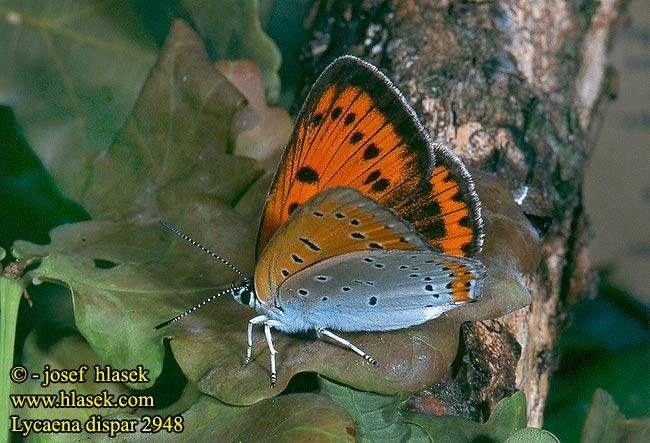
(194,308)
(204,249)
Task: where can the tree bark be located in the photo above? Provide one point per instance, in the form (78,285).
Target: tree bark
(516,89)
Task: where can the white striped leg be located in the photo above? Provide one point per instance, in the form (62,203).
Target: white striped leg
(269,341)
(249,351)
(346,343)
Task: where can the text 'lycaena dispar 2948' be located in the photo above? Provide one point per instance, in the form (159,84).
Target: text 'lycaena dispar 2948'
(368,224)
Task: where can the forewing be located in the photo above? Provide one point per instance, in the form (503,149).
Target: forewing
(355,129)
(335,221)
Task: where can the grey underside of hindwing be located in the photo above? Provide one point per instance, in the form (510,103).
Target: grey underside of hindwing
(372,290)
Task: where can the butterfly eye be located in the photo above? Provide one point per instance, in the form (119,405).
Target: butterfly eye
(245,297)
(244,294)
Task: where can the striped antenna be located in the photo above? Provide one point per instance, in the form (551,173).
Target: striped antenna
(195,307)
(203,248)
(231,290)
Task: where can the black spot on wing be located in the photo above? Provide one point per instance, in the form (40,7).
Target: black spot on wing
(356,137)
(370,152)
(309,244)
(307,175)
(458,197)
(380,185)
(448,178)
(373,176)
(432,208)
(316,119)
(435,229)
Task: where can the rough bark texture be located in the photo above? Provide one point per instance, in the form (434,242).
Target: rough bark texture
(515,88)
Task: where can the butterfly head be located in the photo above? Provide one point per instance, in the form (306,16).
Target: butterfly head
(245,293)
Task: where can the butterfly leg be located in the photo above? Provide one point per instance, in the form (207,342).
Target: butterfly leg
(249,351)
(269,341)
(346,343)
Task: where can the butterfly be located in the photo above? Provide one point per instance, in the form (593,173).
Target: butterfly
(368,224)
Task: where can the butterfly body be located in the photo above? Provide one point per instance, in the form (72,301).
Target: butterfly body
(368,224)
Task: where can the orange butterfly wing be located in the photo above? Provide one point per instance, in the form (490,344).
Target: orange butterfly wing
(356,129)
(336,221)
(446,208)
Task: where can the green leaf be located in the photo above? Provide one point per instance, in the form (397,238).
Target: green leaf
(172,155)
(297,417)
(605,423)
(624,374)
(508,416)
(68,353)
(294,417)
(71,71)
(532,435)
(233,29)
(11,291)
(377,416)
(171,161)
(382,418)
